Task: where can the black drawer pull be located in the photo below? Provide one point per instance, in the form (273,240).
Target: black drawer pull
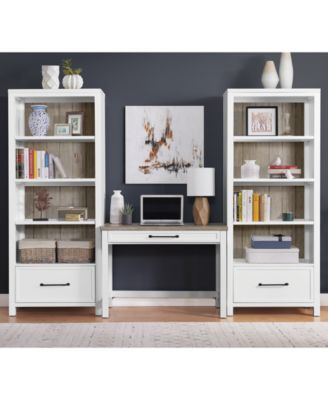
(54,284)
(274,284)
(163,236)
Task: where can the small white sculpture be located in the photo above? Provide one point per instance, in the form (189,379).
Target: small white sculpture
(277,161)
(289,175)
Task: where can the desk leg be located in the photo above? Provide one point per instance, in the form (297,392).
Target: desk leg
(223,275)
(104,275)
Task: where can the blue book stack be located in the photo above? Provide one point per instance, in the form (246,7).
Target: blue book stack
(271,242)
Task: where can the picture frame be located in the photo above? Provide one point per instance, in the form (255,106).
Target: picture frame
(62,130)
(262,121)
(75,119)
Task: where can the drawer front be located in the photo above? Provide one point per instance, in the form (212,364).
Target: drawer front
(150,237)
(55,285)
(276,285)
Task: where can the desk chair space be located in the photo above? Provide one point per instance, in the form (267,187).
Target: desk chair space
(145,235)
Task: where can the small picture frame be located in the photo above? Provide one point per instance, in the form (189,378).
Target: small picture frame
(62,130)
(75,119)
(262,121)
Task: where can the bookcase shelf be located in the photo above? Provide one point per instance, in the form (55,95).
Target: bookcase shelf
(83,160)
(82,138)
(297,143)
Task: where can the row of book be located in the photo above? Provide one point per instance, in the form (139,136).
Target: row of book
(280,171)
(250,206)
(38,164)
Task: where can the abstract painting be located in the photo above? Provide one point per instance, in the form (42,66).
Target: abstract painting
(261,121)
(162,143)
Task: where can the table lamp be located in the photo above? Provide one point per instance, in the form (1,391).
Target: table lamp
(201,184)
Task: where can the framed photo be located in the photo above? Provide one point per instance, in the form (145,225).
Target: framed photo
(261,121)
(62,130)
(75,119)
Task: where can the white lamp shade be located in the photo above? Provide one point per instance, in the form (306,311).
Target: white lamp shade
(201,182)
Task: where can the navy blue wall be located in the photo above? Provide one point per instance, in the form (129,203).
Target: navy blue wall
(160,79)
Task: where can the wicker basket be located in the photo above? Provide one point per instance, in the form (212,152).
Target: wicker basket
(75,251)
(36,251)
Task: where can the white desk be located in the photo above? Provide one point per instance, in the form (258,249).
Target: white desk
(145,235)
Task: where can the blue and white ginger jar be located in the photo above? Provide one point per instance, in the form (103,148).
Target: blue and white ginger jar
(38,120)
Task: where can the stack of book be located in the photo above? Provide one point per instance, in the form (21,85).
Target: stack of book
(37,164)
(279,171)
(250,206)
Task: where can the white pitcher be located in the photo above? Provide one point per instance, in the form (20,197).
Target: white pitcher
(116,206)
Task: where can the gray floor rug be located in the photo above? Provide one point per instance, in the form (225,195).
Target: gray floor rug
(175,334)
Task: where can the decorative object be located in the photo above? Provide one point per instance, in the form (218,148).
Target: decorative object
(262,121)
(116,205)
(62,130)
(36,251)
(201,184)
(75,119)
(76,251)
(50,76)
(270,76)
(289,175)
(250,170)
(72,78)
(287,127)
(127,212)
(288,216)
(38,120)
(277,161)
(80,212)
(286,71)
(163,142)
(42,203)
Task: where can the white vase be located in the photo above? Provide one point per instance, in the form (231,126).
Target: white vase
(116,206)
(250,170)
(286,71)
(270,76)
(72,81)
(50,76)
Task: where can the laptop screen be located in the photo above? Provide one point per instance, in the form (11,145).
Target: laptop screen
(162,208)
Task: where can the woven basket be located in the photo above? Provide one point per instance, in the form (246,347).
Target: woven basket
(76,251)
(36,251)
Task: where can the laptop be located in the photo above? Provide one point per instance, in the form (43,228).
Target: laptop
(161,209)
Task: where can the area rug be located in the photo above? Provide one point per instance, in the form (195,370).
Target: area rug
(176,334)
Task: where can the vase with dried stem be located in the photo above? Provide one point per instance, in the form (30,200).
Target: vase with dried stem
(42,203)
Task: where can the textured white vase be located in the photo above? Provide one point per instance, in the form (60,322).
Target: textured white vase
(286,71)
(270,76)
(72,81)
(250,170)
(50,76)
(116,206)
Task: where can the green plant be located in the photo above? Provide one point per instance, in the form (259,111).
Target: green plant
(127,209)
(68,68)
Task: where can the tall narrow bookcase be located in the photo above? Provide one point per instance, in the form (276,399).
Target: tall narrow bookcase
(83,158)
(275,285)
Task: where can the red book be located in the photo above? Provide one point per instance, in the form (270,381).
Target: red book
(31,163)
(283,166)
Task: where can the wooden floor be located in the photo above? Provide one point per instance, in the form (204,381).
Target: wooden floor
(161,314)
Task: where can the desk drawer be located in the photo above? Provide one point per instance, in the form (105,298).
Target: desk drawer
(55,285)
(157,237)
(274,285)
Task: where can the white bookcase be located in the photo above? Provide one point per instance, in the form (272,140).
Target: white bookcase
(291,285)
(83,158)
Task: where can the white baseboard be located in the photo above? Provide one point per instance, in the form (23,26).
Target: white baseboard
(161,302)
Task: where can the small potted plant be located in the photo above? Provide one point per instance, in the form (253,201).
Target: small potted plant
(72,78)
(127,212)
(42,203)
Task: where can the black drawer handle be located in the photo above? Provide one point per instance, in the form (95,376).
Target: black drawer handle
(274,284)
(163,236)
(54,284)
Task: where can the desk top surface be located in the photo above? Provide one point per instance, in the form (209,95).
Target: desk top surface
(185,227)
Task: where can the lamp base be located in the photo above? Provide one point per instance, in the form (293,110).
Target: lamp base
(201,211)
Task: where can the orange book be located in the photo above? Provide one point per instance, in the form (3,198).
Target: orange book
(35,164)
(256,207)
